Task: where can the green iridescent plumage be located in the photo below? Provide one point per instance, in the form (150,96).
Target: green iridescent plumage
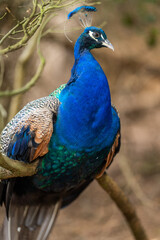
(57,91)
(62,168)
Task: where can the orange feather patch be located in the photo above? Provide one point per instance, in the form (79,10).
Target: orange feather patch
(41,125)
(110,156)
(43,142)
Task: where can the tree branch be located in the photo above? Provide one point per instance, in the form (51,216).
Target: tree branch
(124,205)
(2,69)
(29,25)
(10,168)
(19,75)
(28,85)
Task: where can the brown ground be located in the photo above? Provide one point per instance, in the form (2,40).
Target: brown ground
(133,71)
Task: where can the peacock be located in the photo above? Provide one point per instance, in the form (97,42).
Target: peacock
(74,133)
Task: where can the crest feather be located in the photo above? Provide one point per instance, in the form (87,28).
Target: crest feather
(85,15)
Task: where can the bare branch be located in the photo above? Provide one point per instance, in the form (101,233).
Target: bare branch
(3,115)
(28,26)
(28,85)
(125,206)
(3,16)
(10,168)
(2,67)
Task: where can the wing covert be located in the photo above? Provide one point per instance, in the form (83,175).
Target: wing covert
(27,135)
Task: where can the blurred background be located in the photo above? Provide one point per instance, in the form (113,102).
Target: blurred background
(133,72)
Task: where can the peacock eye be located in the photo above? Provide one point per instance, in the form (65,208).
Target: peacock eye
(96,34)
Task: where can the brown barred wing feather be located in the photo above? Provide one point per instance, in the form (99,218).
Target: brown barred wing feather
(27,135)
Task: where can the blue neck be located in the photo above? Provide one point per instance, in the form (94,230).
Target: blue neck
(79,48)
(84,115)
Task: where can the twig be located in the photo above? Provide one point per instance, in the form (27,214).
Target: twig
(10,32)
(124,205)
(3,115)
(3,15)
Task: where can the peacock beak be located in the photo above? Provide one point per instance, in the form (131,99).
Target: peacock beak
(106,43)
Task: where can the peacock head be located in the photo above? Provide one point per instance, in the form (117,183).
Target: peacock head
(94,37)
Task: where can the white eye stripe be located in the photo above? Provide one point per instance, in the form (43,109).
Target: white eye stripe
(91,35)
(102,37)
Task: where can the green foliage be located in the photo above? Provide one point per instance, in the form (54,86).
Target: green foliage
(152,37)
(128,19)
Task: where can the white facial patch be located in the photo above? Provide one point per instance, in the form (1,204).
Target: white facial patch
(91,35)
(102,37)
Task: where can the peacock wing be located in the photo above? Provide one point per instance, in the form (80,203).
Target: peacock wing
(27,135)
